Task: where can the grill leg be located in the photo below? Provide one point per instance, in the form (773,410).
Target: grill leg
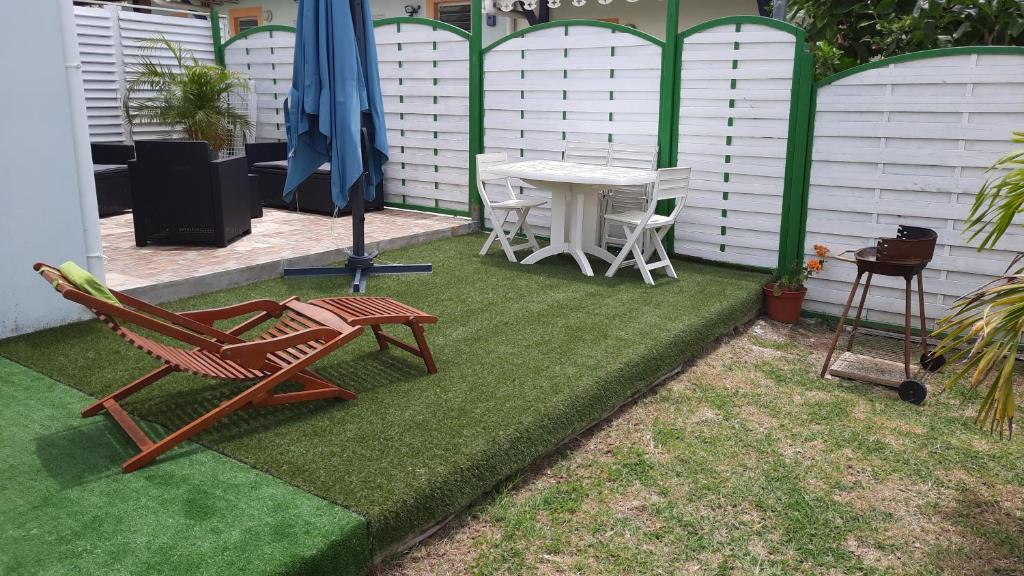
(924,324)
(907,318)
(839,327)
(860,309)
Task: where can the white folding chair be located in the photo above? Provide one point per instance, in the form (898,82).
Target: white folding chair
(500,202)
(671,183)
(626,198)
(586,152)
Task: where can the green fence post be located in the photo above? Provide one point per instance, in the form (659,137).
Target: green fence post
(668,104)
(794,191)
(218,47)
(476,105)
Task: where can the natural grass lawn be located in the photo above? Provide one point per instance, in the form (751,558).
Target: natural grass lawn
(749,464)
(528,355)
(66,508)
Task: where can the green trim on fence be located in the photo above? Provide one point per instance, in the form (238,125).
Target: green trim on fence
(560,23)
(476,104)
(922,55)
(218,48)
(761,20)
(435,24)
(790,241)
(676,99)
(432,209)
(666,114)
(812,105)
(257,30)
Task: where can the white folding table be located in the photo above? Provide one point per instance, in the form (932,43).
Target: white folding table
(575,202)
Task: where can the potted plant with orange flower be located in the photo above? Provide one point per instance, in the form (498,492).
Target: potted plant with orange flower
(784,293)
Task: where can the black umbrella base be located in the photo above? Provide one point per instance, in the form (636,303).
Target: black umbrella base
(360,268)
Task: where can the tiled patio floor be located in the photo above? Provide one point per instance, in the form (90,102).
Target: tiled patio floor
(277,237)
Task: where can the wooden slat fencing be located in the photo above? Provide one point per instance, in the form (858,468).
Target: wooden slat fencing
(908,142)
(735,90)
(424,76)
(266,57)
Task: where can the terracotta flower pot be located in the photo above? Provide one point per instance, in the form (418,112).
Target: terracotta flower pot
(786,306)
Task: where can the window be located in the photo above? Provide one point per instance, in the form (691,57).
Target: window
(245,18)
(243,24)
(454,12)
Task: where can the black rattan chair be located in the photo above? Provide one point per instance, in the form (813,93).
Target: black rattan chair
(181,195)
(110,171)
(268,162)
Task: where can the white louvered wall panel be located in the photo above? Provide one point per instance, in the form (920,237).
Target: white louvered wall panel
(735,90)
(584,83)
(266,57)
(108,40)
(424,76)
(909,143)
(94,28)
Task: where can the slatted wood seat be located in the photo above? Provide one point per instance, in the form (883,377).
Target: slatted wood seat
(375,311)
(300,335)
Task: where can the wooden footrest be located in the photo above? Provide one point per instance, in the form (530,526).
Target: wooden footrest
(375,311)
(128,425)
(368,310)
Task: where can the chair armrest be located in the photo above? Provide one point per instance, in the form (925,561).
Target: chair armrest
(210,315)
(254,354)
(265,151)
(112,152)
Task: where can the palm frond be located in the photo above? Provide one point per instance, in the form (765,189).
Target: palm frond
(184,95)
(984,328)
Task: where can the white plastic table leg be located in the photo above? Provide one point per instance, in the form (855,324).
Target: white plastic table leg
(559,196)
(591,228)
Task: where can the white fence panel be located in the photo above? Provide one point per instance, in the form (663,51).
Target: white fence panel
(267,58)
(908,143)
(736,85)
(424,75)
(102,75)
(576,82)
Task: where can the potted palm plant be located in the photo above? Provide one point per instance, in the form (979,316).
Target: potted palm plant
(984,328)
(191,190)
(186,96)
(784,293)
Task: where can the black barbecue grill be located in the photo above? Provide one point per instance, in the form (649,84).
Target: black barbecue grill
(905,256)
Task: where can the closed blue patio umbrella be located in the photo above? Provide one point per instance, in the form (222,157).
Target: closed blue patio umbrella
(334,114)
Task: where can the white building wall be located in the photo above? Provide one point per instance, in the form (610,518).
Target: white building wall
(40,217)
(284,11)
(649,15)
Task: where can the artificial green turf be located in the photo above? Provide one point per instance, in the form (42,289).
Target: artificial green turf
(66,508)
(528,355)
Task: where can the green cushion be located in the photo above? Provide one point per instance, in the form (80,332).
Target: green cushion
(86,282)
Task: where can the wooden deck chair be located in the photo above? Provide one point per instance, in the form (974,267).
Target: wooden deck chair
(373,311)
(671,183)
(500,202)
(301,335)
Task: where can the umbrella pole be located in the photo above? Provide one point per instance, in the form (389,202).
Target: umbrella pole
(359,265)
